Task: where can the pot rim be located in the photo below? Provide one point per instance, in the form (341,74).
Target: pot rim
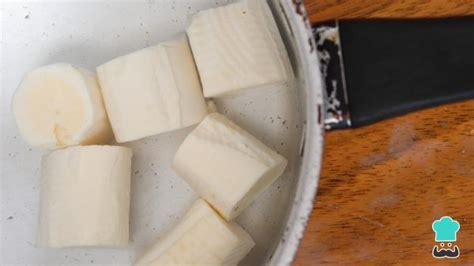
(313,136)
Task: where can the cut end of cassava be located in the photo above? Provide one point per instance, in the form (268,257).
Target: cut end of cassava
(60,105)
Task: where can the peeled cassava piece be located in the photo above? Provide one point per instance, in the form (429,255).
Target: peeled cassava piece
(201,237)
(238,46)
(153,90)
(60,105)
(226,165)
(85,197)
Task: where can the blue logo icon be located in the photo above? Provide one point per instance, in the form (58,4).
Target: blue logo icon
(445,230)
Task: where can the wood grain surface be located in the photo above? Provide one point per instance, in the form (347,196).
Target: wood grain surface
(321,10)
(383,185)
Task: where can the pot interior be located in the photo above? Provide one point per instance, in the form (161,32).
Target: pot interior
(90,33)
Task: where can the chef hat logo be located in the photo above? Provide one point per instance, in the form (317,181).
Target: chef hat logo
(445,229)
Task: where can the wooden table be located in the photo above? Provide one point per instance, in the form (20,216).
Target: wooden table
(383,185)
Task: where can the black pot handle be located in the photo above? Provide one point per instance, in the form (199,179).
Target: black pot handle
(376,69)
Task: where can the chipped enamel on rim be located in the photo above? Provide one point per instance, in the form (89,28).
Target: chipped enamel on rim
(314,135)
